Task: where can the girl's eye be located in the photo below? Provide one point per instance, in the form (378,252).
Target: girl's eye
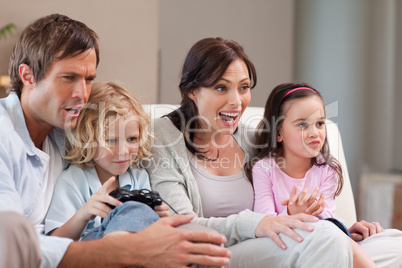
(320,124)
(303,125)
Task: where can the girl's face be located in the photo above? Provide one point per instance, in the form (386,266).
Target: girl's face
(221,106)
(303,131)
(122,138)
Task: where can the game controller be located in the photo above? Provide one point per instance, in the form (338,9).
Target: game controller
(151,198)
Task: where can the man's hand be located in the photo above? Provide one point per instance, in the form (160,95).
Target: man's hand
(272,226)
(361,230)
(159,245)
(163,245)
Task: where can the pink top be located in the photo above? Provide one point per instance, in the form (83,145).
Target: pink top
(272,186)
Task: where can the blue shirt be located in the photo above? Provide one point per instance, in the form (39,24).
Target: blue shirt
(74,188)
(21,173)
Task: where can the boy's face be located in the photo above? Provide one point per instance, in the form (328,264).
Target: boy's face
(57,100)
(122,138)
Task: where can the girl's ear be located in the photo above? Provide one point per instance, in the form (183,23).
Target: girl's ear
(279,137)
(26,75)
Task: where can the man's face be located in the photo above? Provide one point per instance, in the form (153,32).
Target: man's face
(57,100)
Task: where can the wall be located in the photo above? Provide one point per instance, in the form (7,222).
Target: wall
(263,28)
(128,32)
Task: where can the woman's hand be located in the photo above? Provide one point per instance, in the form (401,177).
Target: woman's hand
(272,226)
(362,229)
(162,210)
(304,202)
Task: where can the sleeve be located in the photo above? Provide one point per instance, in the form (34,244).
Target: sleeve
(328,188)
(264,201)
(9,170)
(66,201)
(168,169)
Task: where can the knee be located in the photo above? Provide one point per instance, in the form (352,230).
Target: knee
(133,207)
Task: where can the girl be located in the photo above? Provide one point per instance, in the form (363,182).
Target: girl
(110,138)
(292,154)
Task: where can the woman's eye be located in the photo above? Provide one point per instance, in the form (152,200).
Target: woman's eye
(245,87)
(220,88)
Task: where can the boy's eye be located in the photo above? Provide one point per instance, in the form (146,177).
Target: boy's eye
(133,139)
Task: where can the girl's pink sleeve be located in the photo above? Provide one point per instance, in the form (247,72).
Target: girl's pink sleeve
(263,196)
(328,187)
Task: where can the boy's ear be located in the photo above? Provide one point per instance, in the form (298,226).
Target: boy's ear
(26,75)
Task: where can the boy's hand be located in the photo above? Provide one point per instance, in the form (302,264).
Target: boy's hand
(162,210)
(97,204)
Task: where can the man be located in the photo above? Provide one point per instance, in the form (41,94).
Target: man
(52,68)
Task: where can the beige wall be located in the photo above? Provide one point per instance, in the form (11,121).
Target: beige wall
(264,28)
(128,32)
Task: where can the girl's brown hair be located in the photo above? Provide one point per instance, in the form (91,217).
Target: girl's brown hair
(266,133)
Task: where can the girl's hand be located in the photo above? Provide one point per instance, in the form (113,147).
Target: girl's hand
(97,204)
(272,226)
(162,210)
(304,202)
(317,207)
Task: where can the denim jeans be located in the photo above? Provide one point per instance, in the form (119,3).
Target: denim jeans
(130,216)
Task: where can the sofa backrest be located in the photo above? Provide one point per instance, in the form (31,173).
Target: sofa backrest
(345,205)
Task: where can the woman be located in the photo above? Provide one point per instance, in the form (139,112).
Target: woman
(198,161)
(199,155)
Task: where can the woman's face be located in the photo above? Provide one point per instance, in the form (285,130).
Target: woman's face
(221,106)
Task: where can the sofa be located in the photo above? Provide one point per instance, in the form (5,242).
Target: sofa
(345,205)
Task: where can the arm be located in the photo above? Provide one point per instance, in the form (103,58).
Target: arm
(264,201)
(95,206)
(328,188)
(159,245)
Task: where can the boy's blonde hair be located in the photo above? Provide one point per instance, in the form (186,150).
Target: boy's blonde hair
(107,102)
